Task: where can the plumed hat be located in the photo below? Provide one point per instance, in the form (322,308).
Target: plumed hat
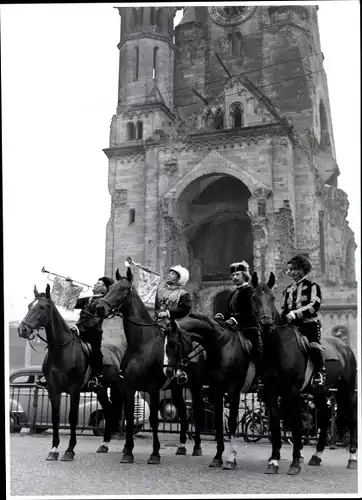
(107,281)
(301,262)
(183,274)
(239,266)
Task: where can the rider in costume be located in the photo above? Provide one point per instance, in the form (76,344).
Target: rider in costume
(239,314)
(301,303)
(173,302)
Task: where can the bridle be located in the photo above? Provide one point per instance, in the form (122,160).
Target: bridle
(116,310)
(35,332)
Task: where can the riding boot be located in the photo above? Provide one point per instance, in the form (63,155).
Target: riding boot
(257,353)
(42,383)
(319,377)
(97,368)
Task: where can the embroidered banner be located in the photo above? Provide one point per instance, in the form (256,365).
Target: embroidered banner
(147,286)
(64,293)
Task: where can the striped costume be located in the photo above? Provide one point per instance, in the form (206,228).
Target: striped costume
(304,300)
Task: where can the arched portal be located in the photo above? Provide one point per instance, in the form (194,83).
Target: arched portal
(214,210)
(221,302)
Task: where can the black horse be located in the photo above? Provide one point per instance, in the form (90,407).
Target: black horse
(66,369)
(142,365)
(228,358)
(284,374)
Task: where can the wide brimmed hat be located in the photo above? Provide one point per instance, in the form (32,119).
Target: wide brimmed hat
(183,274)
(107,281)
(301,262)
(239,266)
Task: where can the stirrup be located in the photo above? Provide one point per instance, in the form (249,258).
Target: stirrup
(95,382)
(318,380)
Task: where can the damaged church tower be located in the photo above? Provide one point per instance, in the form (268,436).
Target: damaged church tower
(222,149)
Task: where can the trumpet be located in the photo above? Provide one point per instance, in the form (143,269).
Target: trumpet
(130,262)
(65,277)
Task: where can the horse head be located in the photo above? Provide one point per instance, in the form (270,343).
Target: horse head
(263,300)
(38,313)
(117,294)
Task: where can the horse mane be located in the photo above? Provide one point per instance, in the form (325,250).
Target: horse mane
(202,317)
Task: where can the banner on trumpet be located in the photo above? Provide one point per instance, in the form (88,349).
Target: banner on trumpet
(147,286)
(64,293)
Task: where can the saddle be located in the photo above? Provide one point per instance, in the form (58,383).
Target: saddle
(330,354)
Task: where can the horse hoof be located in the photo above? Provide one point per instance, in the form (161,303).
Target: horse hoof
(197,452)
(68,456)
(53,455)
(102,449)
(294,469)
(127,459)
(216,462)
(181,450)
(154,460)
(230,465)
(352,464)
(315,460)
(272,469)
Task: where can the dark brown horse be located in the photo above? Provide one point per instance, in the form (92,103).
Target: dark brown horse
(227,361)
(284,369)
(66,369)
(143,361)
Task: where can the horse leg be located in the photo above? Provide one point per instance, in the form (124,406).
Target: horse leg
(234,399)
(320,402)
(104,401)
(217,396)
(127,455)
(55,402)
(154,404)
(271,401)
(293,400)
(352,426)
(179,402)
(73,420)
(198,416)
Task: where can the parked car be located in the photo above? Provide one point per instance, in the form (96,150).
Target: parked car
(23,389)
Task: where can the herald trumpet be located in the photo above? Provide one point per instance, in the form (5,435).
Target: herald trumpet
(43,270)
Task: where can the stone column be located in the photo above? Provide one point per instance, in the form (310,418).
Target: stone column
(258,215)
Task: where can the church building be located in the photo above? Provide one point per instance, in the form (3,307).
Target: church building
(221,149)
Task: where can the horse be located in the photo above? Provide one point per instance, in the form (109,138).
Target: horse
(66,369)
(228,359)
(286,354)
(142,365)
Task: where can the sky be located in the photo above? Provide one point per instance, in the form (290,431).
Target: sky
(59,77)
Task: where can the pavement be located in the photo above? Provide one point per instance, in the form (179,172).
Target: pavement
(102,474)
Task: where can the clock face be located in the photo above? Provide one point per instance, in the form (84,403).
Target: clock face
(230,16)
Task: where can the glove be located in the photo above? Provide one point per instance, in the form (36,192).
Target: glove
(219,316)
(163,314)
(290,316)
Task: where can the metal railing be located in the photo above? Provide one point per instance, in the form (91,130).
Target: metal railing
(30,408)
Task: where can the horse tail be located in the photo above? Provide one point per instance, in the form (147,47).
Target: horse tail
(346,393)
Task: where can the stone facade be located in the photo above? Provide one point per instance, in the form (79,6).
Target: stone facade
(222,149)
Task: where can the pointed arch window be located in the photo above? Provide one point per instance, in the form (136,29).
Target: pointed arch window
(132,216)
(136,56)
(139,130)
(130,131)
(236,115)
(154,71)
